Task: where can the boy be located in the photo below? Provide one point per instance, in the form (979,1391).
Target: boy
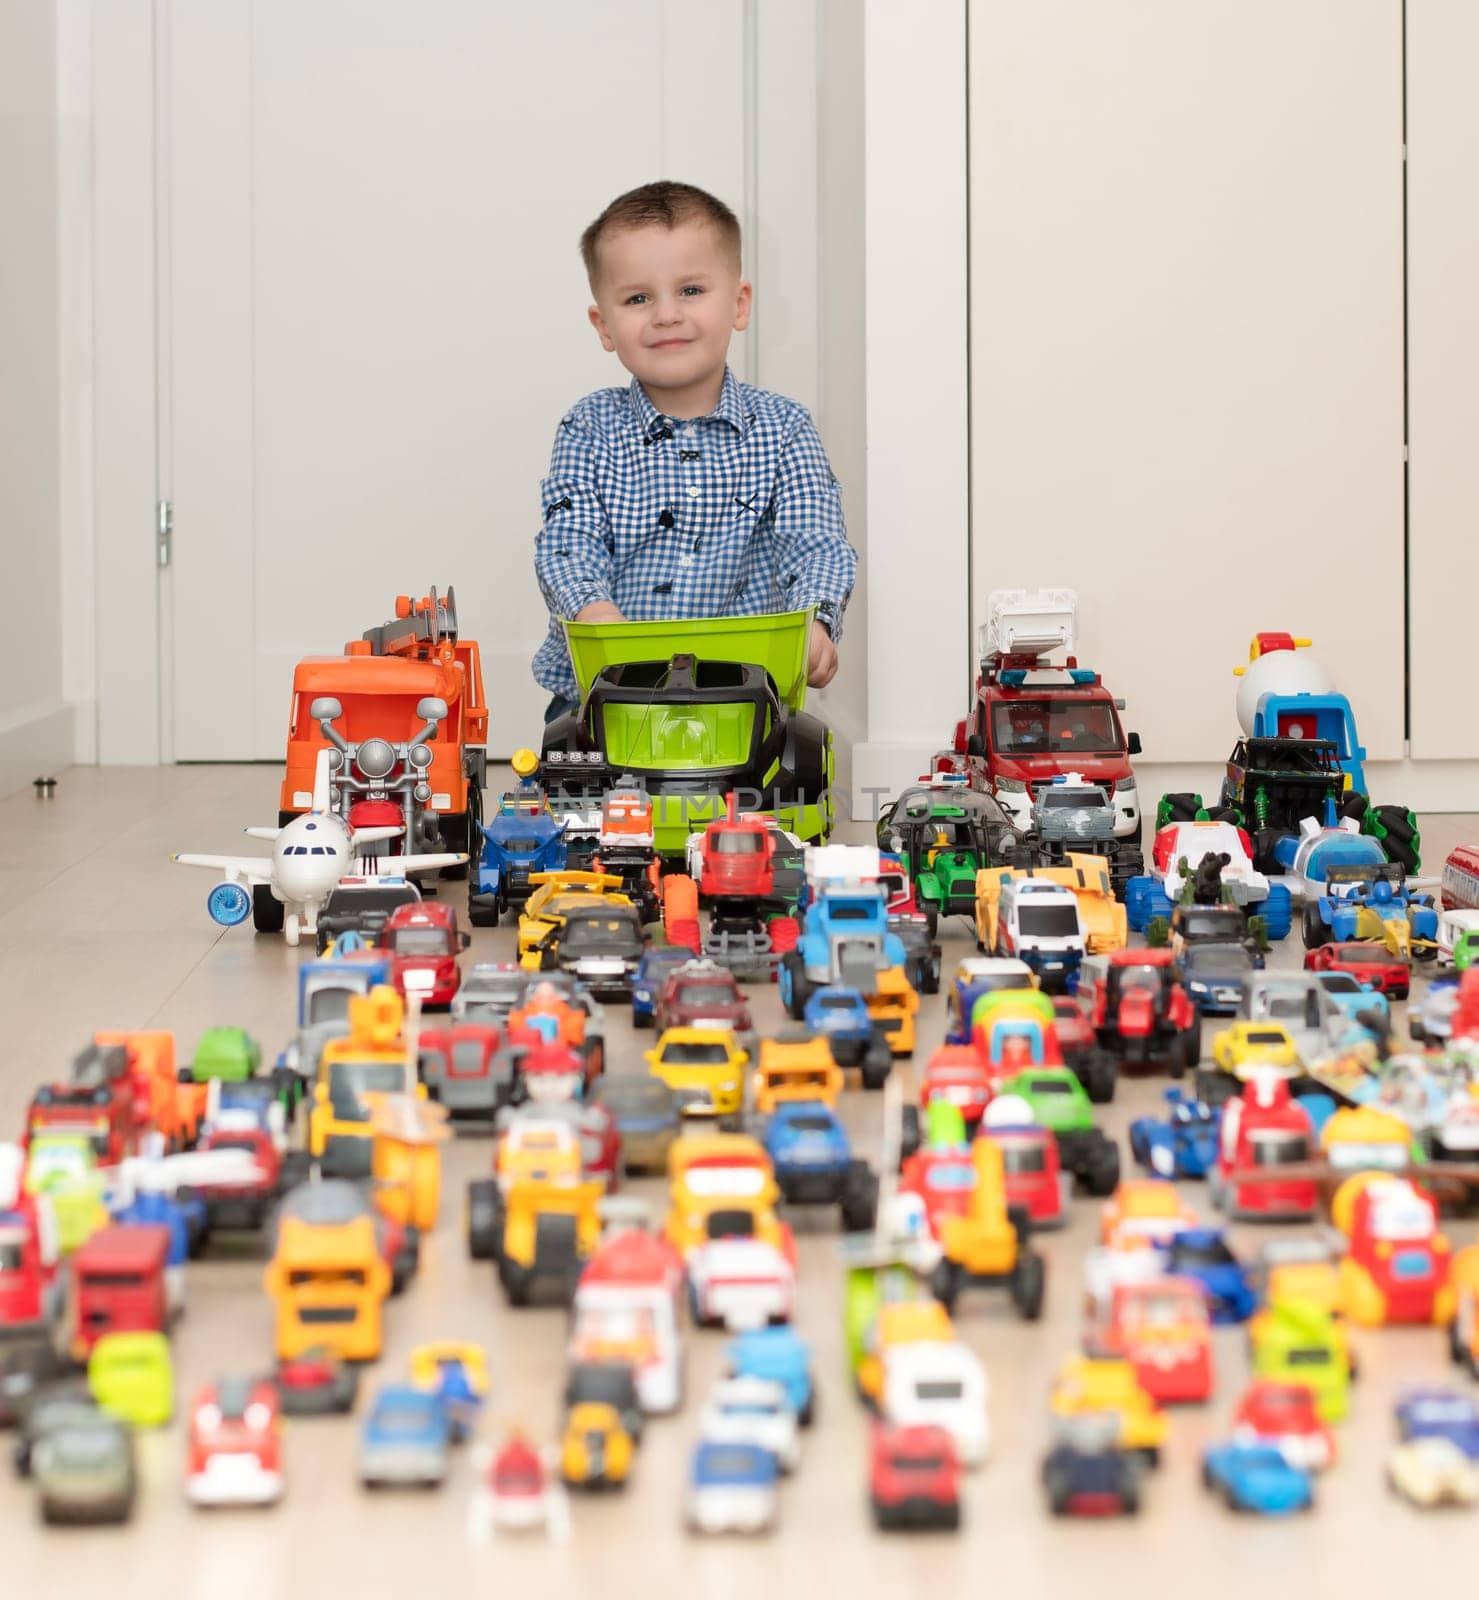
(687,493)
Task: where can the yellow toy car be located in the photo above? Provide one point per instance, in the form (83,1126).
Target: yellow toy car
(354,1073)
(987,1243)
(1363,1139)
(795,1067)
(550,1231)
(596,1450)
(1085,1383)
(1102,917)
(705,1069)
(544,910)
(713,1177)
(1246,1045)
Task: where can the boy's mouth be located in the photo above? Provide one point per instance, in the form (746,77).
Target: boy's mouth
(669,344)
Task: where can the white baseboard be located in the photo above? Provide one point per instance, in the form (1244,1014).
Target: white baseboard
(36,742)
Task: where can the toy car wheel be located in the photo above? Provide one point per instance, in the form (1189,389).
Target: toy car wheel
(945,1284)
(484,1218)
(909,1136)
(1136,891)
(859,1198)
(1208,1481)
(1103,1172)
(1130,1501)
(1029,1280)
(808,1412)
(1099,1076)
(1277,910)
(267,913)
(795,986)
(877,1063)
(1313,927)
(297,1167)
(1058,1500)
(482,910)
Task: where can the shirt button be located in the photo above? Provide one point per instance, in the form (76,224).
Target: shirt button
(693,491)
(685,561)
(690,433)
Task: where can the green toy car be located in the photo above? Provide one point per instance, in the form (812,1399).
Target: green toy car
(693,709)
(945,835)
(231,1055)
(1059,1103)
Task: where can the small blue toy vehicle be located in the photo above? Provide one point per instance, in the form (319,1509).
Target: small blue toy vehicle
(784,1357)
(845,939)
(1183,1145)
(1440,1414)
(1353,997)
(731,1488)
(1257,1477)
(406,1438)
(1088,1473)
(1373,903)
(1216,977)
(1203,1254)
(814,1163)
(523,837)
(840,1015)
(652,972)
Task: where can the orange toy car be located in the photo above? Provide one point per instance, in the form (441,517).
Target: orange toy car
(381,684)
(1145,1211)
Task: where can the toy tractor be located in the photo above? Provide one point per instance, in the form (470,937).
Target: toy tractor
(550,1230)
(691,710)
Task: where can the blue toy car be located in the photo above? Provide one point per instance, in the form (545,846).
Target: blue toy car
(1257,1477)
(522,838)
(406,1438)
(1354,997)
(1440,1414)
(845,940)
(731,1488)
(1216,976)
(1184,1145)
(1355,895)
(814,1164)
(840,1015)
(784,1357)
(652,972)
(1203,1254)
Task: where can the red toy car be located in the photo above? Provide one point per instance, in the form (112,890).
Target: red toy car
(1163,1329)
(118,1283)
(1035,1179)
(702,994)
(1093,1067)
(234,1453)
(956,1074)
(423,942)
(1366,963)
(466,1069)
(1287,1416)
(33,1289)
(247,1206)
(1263,1130)
(914,1477)
(1397,1261)
(1138,1009)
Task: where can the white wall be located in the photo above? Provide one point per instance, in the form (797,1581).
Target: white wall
(35,724)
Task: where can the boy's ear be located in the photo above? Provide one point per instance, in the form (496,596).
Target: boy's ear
(598,322)
(741,305)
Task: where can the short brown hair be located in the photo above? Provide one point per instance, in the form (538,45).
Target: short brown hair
(663,204)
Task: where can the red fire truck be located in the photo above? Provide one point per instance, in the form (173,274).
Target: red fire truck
(119,1285)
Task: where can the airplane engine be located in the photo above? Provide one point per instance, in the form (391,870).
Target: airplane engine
(229,904)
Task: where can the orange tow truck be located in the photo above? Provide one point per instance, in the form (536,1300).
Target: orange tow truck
(381,684)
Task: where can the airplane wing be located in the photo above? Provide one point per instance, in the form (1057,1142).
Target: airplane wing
(426,863)
(237,869)
(364,836)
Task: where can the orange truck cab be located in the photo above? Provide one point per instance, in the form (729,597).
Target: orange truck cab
(169,1101)
(327,1275)
(379,682)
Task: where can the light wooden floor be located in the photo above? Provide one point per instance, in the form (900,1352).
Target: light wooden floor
(97,930)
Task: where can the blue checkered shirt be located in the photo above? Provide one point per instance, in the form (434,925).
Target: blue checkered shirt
(731,514)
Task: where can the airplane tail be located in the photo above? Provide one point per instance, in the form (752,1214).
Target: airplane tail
(322,789)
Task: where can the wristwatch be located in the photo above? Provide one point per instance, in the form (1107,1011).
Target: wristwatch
(827,616)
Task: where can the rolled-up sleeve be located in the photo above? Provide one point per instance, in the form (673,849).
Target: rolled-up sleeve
(815,564)
(573,550)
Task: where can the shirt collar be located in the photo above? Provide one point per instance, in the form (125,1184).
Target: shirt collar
(651,422)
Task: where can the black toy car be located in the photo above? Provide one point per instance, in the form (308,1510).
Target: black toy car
(1087,1474)
(601,944)
(362,908)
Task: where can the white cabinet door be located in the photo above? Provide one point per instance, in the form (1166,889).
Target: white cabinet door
(377,311)
(1443,358)
(1186,341)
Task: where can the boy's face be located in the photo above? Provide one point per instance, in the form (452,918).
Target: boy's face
(667,300)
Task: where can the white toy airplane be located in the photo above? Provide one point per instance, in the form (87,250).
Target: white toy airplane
(309,856)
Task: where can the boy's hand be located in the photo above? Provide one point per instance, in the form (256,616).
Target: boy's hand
(598,611)
(821,661)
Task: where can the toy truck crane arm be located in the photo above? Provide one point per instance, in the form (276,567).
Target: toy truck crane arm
(417,629)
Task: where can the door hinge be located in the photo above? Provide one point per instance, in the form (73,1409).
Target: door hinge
(164,531)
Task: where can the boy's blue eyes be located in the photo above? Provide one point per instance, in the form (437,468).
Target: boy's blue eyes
(638,299)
